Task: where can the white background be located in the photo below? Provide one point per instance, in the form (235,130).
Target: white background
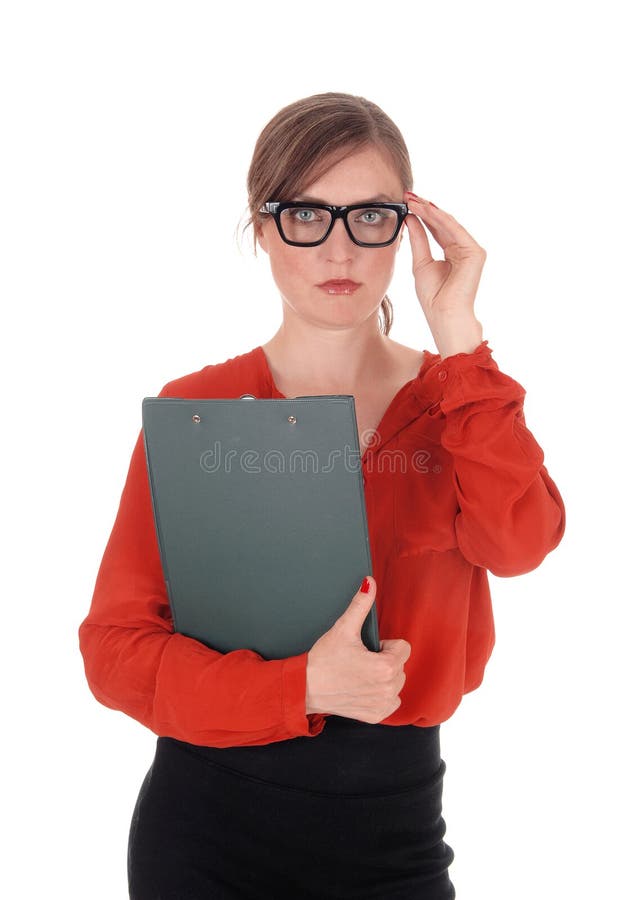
(127,131)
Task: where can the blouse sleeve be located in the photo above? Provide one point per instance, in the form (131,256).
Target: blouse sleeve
(510,512)
(175,685)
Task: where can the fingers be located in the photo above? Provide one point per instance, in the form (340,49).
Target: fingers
(446,230)
(420,248)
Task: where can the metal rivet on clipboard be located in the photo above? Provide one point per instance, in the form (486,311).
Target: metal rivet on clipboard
(196,419)
(291,419)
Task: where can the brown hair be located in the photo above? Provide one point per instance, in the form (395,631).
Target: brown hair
(306,138)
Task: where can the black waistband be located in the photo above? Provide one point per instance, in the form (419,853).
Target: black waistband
(348,756)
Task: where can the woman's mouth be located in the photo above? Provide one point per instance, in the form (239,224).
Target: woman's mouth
(339,286)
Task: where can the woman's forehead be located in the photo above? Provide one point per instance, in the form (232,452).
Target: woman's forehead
(377,198)
(367,172)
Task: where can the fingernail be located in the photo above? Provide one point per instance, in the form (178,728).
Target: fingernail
(411,194)
(433,204)
(364,587)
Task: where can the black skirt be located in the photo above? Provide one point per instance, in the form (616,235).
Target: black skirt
(355,811)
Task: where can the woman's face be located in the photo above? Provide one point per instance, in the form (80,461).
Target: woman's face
(298,271)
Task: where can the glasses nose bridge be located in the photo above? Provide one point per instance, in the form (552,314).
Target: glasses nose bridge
(338,212)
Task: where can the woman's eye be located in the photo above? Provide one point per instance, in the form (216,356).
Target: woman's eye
(304,215)
(372,216)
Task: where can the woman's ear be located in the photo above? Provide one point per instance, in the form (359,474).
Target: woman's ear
(261,238)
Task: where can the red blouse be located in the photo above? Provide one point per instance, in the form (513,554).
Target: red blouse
(454,485)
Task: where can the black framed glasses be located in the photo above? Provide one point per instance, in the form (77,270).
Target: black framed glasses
(309,224)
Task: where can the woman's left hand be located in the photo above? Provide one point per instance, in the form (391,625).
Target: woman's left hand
(444,287)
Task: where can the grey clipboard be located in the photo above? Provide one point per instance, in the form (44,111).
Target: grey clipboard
(260,518)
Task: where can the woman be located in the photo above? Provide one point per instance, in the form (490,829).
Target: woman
(320,775)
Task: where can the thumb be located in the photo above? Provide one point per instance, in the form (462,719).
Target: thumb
(357,611)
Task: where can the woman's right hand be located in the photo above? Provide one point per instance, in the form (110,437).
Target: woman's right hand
(344,678)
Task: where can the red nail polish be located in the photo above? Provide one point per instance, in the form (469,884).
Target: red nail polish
(364,587)
(411,194)
(433,204)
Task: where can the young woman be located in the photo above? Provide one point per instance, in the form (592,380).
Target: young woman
(320,775)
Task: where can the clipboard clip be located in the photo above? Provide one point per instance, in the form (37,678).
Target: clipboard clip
(291,419)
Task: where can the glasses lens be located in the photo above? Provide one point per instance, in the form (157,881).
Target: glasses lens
(305,225)
(373,225)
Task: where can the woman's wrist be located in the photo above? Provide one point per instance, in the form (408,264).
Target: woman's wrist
(454,335)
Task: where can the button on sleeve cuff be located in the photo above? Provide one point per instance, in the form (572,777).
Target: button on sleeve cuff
(441,380)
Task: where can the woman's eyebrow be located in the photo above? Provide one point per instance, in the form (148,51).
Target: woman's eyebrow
(380,198)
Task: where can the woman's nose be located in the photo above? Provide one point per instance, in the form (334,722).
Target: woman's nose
(338,246)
